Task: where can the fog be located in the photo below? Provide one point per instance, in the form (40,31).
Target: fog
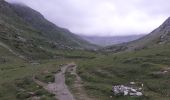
(103,17)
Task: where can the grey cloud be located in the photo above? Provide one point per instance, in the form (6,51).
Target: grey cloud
(103,17)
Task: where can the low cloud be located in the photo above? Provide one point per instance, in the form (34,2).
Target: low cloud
(103,17)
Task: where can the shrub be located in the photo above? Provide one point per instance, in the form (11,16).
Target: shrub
(23,95)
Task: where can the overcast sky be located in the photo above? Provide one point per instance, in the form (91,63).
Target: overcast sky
(103,17)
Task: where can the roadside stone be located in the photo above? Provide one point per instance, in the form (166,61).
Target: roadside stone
(132,83)
(123,90)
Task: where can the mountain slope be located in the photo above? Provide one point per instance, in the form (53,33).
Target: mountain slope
(18,35)
(159,36)
(60,35)
(28,33)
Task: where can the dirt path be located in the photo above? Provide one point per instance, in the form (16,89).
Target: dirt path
(59,88)
(79,91)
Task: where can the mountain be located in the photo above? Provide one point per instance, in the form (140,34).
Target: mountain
(49,30)
(27,32)
(106,40)
(159,36)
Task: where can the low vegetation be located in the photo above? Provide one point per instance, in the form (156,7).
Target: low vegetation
(149,66)
(16,74)
(38,48)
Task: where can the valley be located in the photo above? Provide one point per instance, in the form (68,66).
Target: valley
(42,61)
(111,40)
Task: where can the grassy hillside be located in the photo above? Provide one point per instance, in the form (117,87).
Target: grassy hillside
(63,38)
(20,36)
(16,73)
(28,33)
(16,77)
(25,50)
(148,66)
(159,36)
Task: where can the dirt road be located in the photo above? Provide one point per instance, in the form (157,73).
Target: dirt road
(79,92)
(59,88)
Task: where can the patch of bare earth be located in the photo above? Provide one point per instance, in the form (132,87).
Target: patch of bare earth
(59,88)
(77,86)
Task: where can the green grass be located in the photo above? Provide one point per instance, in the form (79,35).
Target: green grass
(14,71)
(99,72)
(45,77)
(121,68)
(16,75)
(70,79)
(26,88)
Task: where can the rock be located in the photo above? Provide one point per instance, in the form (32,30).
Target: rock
(140,89)
(139,94)
(136,94)
(132,94)
(119,90)
(22,39)
(165,71)
(133,90)
(126,93)
(132,83)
